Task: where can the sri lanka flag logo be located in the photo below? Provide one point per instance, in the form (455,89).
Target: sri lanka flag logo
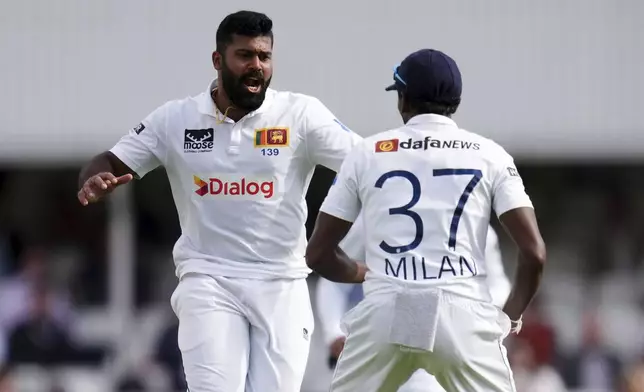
(271,137)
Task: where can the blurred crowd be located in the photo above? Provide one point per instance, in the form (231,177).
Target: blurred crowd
(538,364)
(583,332)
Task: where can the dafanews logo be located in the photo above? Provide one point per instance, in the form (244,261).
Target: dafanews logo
(393,145)
(387,145)
(235,188)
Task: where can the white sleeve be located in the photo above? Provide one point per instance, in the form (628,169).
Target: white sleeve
(332,302)
(353,243)
(143,148)
(328,141)
(508,191)
(497,280)
(343,199)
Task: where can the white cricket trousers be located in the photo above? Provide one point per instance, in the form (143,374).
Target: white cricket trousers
(239,335)
(421,381)
(467,354)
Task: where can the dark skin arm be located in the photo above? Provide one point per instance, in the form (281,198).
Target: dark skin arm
(521,225)
(101,176)
(324,256)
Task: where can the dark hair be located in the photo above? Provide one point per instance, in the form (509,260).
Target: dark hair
(246,23)
(425,107)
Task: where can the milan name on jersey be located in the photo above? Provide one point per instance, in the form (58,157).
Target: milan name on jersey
(417,268)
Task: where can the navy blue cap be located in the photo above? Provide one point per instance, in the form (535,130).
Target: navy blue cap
(429,75)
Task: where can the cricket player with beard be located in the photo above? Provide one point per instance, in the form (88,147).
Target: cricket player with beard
(239,158)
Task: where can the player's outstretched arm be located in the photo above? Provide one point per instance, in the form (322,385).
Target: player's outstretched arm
(100,176)
(521,225)
(324,255)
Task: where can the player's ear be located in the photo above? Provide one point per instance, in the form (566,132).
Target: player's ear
(217,60)
(401,102)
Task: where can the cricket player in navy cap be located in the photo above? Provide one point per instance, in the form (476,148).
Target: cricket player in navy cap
(426,192)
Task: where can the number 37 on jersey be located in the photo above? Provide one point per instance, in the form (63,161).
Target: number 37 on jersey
(428,266)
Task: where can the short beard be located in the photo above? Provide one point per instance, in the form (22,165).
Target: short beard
(236,91)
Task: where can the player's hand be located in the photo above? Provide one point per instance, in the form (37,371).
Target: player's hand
(99,185)
(337,346)
(360,273)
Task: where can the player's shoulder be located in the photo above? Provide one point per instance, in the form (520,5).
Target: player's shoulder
(295,101)
(164,112)
(488,145)
(391,133)
(371,143)
(477,137)
(183,105)
(303,109)
(292,96)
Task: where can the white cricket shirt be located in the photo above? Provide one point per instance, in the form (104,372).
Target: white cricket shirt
(333,299)
(427,190)
(239,187)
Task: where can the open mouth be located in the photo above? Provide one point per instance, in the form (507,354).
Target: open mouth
(254,85)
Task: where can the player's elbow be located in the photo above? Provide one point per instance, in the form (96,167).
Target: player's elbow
(535,254)
(314,257)
(311,262)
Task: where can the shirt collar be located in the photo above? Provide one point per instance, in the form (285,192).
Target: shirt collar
(207,106)
(431,119)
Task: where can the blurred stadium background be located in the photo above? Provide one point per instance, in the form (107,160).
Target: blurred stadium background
(84,293)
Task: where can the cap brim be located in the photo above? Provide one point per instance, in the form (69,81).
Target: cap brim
(392,87)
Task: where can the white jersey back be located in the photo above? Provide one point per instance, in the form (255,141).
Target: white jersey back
(427,191)
(239,187)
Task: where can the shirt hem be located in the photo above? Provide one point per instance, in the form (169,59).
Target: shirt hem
(253,271)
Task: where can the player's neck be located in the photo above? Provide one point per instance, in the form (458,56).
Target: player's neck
(225,106)
(408,116)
